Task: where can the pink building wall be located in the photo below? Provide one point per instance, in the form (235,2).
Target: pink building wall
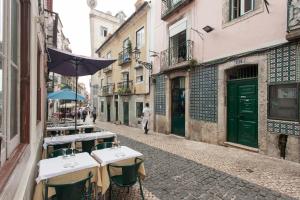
(254,30)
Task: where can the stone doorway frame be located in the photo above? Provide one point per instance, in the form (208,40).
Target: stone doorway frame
(169,78)
(262,77)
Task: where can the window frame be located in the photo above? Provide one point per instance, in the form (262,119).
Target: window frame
(102,31)
(139,76)
(269,102)
(142,39)
(240,8)
(38,85)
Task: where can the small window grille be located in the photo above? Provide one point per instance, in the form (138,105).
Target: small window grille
(243,72)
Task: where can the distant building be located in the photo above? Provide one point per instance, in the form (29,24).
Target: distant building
(125,85)
(56,39)
(102,25)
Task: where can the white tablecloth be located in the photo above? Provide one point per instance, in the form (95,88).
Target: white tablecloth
(111,155)
(64,128)
(52,167)
(76,137)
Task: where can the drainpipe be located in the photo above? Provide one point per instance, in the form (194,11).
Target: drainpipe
(282,140)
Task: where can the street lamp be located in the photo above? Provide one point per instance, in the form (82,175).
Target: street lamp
(137,55)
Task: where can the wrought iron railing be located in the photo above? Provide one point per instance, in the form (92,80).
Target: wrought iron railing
(293,18)
(108,89)
(169,6)
(176,54)
(125,56)
(125,87)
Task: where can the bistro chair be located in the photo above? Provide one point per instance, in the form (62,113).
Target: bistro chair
(60,152)
(87,146)
(72,132)
(80,190)
(59,146)
(103,145)
(54,133)
(128,177)
(110,139)
(88,130)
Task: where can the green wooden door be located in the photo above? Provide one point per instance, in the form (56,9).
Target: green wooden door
(178,107)
(126,113)
(242,112)
(108,112)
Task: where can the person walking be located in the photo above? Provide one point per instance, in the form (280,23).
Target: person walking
(146,118)
(94,113)
(84,113)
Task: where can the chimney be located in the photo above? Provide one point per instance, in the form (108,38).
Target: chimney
(138,4)
(50,5)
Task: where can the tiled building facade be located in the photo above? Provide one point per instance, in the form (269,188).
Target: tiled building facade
(228,79)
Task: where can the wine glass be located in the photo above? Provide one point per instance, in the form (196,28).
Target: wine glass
(64,151)
(73,152)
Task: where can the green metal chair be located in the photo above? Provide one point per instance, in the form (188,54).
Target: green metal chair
(88,130)
(60,152)
(59,146)
(87,146)
(80,190)
(54,133)
(103,145)
(129,176)
(110,139)
(72,132)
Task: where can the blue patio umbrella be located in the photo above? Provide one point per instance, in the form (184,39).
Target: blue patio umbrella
(65,94)
(68,64)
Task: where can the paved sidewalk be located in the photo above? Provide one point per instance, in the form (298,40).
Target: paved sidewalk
(277,175)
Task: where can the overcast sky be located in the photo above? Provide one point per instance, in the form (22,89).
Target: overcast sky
(74,15)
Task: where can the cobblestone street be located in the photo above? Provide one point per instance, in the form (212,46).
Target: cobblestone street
(181,169)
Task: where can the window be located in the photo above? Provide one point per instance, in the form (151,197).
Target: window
(108,55)
(109,80)
(13,85)
(140,38)
(101,83)
(38,85)
(103,31)
(139,74)
(284,102)
(139,109)
(102,106)
(240,7)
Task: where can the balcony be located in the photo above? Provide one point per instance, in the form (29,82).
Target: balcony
(108,90)
(293,20)
(177,56)
(168,7)
(125,88)
(107,69)
(125,56)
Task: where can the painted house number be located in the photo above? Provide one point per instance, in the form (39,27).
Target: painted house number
(240,61)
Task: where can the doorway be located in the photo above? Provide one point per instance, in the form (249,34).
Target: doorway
(108,112)
(117,110)
(242,106)
(126,113)
(178,106)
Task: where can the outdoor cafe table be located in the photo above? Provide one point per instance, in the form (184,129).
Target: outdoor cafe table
(65,128)
(75,138)
(61,170)
(118,155)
